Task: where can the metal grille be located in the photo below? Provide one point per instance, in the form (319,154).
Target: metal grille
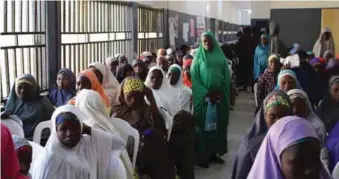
(150,29)
(94,30)
(22,43)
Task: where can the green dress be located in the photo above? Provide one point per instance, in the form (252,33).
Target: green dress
(210,71)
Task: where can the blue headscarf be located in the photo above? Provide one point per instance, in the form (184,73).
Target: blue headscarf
(289,73)
(59,97)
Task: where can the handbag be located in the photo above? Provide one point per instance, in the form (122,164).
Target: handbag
(211,116)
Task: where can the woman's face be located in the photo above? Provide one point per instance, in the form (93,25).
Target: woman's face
(274,65)
(24,90)
(162,62)
(287,83)
(83,83)
(113,66)
(98,74)
(123,60)
(25,159)
(186,71)
(156,79)
(69,133)
(134,99)
(301,161)
(170,61)
(300,108)
(207,43)
(62,81)
(263,41)
(138,68)
(173,77)
(275,113)
(335,92)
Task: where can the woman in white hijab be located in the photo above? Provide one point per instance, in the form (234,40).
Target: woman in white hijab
(324,42)
(75,150)
(91,104)
(184,94)
(162,92)
(108,81)
(302,107)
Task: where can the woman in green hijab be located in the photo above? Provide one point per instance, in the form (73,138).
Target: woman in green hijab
(211,87)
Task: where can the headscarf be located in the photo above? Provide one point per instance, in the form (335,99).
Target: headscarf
(109,83)
(317,61)
(122,70)
(161,52)
(288,73)
(183,92)
(20,142)
(59,97)
(31,112)
(321,46)
(328,52)
(273,57)
(334,79)
(332,63)
(10,167)
(317,124)
(332,144)
(110,60)
(187,81)
(163,95)
(295,48)
(120,57)
(90,103)
(283,134)
(89,158)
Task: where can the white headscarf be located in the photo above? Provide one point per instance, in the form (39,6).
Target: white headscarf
(164,95)
(88,159)
(109,83)
(183,92)
(91,104)
(321,46)
(317,124)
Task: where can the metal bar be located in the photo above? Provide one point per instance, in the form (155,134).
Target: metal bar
(78,17)
(13,16)
(5,17)
(69,15)
(100,16)
(73,22)
(21,4)
(74,61)
(6,64)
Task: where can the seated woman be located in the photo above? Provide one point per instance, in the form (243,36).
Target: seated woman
(10,167)
(275,106)
(25,101)
(329,106)
(65,89)
(303,108)
(88,80)
(183,93)
(107,80)
(75,150)
(287,80)
(24,152)
(157,81)
(123,71)
(291,149)
(153,157)
(140,69)
(320,80)
(90,103)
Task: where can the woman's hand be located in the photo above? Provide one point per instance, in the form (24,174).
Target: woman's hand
(86,129)
(286,66)
(149,95)
(214,96)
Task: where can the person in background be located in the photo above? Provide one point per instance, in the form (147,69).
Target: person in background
(161,52)
(186,72)
(287,80)
(276,45)
(324,42)
(122,59)
(89,102)
(290,150)
(124,71)
(211,82)
(88,80)
(261,57)
(10,167)
(153,157)
(294,49)
(320,80)
(162,63)
(183,93)
(107,80)
(140,69)
(329,105)
(170,59)
(112,64)
(268,80)
(328,54)
(333,67)
(24,152)
(65,89)
(26,102)
(303,108)
(275,106)
(75,150)
(179,57)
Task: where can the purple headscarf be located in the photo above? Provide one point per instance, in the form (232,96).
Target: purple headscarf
(332,63)
(284,133)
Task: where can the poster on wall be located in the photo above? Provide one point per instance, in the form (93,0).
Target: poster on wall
(185,29)
(201,25)
(192,28)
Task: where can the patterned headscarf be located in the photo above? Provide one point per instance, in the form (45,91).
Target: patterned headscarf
(133,84)
(276,100)
(19,142)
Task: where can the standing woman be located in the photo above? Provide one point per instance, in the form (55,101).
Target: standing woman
(261,57)
(25,101)
(324,42)
(211,79)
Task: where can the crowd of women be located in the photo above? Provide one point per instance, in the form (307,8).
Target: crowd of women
(179,102)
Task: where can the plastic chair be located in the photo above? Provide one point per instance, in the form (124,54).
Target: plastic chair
(14,127)
(255,94)
(38,130)
(126,130)
(38,150)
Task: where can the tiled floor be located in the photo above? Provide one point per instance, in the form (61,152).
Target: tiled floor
(240,120)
